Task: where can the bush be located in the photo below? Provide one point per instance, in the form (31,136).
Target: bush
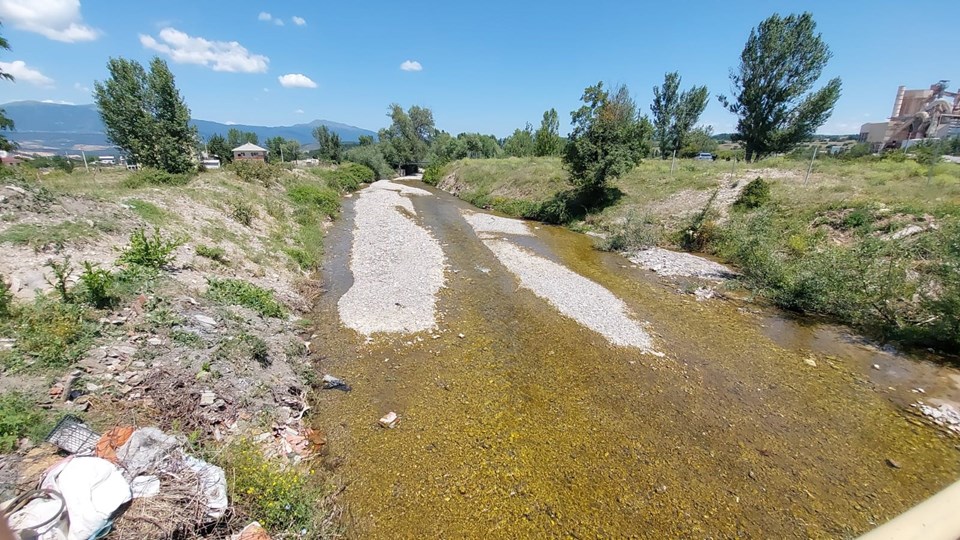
(702,229)
(213,253)
(242,293)
(372,158)
(154,177)
(636,233)
(244,346)
(151,252)
(315,197)
(50,335)
(346,177)
(20,417)
(283,499)
(433,174)
(6,299)
(243,213)
(96,286)
(250,170)
(754,195)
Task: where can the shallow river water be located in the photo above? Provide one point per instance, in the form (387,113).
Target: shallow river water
(533,426)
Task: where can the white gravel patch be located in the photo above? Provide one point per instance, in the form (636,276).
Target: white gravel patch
(672,263)
(397,265)
(573,295)
(487,223)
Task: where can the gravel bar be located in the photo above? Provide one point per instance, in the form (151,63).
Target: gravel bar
(575,296)
(397,265)
(488,223)
(672,263)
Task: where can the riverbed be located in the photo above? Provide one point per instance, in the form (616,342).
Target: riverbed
(518,421)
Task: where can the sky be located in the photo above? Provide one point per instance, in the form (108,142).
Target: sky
(486,67)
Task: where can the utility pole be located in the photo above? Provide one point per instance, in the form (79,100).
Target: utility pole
(85,166)
(810,167)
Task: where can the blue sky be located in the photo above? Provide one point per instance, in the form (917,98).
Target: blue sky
(483,66)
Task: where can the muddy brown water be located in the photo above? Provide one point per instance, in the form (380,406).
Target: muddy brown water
(532,426)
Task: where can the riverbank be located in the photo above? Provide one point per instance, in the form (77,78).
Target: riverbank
(130,301)
(868,243)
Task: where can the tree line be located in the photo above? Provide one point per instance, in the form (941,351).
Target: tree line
(772,98)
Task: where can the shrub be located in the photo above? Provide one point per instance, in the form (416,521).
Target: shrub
(283,499)
(702,229)
(256,171)
(633,235)
(151,252)
(50,335)
(213,253)
(346,177)
(96,285)
(154,177)
(61,273)
(372,158)
(243,213)
(433,174)
(6,299)
(20,417)
(754,195)
(314,196)
(242,293)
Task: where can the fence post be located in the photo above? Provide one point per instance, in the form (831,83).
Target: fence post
(810,167)
(673,164)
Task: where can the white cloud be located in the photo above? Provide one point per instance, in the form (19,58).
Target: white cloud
(296,80)
(299,21)
(24,73)
(217,55)
(299,111)
(278,22)
(81,88)
(411,65)
(264,16)
(59,20)
(57,102)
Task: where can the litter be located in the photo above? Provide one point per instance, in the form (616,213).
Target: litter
(330,382)
(144,450)
(389,420)
(73,436)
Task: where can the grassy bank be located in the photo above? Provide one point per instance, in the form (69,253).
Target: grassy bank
(873,243)
(197,283)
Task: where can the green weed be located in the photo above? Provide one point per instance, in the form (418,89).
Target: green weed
(149,251)
(213,253)
(21,417)
(243,293)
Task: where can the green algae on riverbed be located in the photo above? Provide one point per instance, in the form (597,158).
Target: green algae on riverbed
(533,426)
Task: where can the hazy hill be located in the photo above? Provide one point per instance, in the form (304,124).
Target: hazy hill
(58,127)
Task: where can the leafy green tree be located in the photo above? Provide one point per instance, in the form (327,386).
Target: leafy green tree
(547,140)
(5,122)
(236,137)
(608,138)
(330,147)
(365,140)
(409,137)
(371,156)
(277,148)
(779,65)
(217,146)
(292,150)
(145,115)
(480,146)
(699,140)
(446,148)
(675,113)
(521,143)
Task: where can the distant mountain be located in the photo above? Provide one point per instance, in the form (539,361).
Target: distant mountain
(54,127)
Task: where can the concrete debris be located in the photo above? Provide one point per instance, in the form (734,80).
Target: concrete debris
(205,320)
(330,382)
(389,420)
(945,415)
(207,398)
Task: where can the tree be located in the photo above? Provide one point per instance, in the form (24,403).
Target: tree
(780,63)
(145,115)
(409,136)
(480,146)
(236,137)
(698,140)
(547,140)
(6,124)
(217,146)
(675,113)
(608,138)
(365,140)
(330,147)
(446,148)
(521,143)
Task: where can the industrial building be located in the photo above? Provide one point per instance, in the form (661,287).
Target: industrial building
(933,113)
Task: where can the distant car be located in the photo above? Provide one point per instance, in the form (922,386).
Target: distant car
(704,156)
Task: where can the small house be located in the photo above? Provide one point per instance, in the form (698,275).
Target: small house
(250,151)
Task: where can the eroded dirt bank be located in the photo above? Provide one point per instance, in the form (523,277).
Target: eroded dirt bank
(518,421)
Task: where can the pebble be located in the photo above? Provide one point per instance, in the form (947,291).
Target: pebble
(876,366)
(893,463)
(155,341)
(205,320)
(461,336)
(207,398)
(810,362)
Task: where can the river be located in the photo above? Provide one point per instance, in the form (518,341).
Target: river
(531,425)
